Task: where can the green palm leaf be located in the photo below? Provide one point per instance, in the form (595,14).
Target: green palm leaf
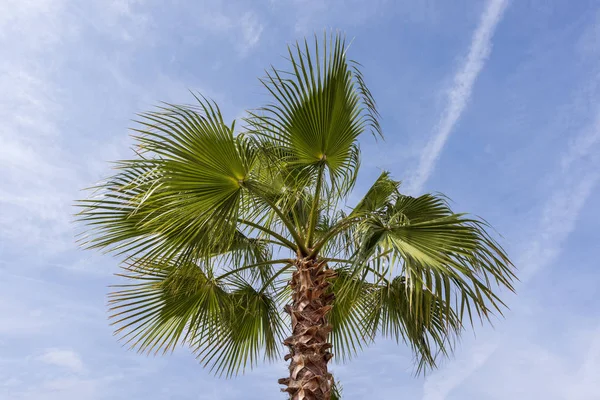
(350,315)
(180,196)
(321,107)
(418,317)
(226,321)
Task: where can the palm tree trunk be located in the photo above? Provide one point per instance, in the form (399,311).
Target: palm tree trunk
(309,348)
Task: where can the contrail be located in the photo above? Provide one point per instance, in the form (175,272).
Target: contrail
(460,92)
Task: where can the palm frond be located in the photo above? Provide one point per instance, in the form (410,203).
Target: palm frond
(417,317)
(155,313)
(321,107)
(253,326)
(229,323)
(379,194)
(336,391)
(349,316)
(181,196)
(451,254)
(428,268)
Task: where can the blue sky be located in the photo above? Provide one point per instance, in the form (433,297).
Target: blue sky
(494,103)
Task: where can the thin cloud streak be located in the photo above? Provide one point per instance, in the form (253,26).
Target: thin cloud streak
(460,92)
(441,383)
(67,359)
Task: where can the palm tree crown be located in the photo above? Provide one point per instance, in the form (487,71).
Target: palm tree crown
(219,229)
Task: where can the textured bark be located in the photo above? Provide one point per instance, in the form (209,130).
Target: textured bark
(308,345)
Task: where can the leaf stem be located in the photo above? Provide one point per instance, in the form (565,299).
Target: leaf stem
(276,235)
(314,211)
(236,270)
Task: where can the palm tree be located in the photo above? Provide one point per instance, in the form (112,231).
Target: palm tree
(219,229)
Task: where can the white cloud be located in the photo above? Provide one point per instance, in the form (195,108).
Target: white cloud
(526,366)
(586,384)
(65,388)
(39,177)
(235,23)
(581,146)
(310,16)
(71,388)
(559,218)
(32,174)
(251,30)
(441,383)
(63,358)
(36,22)
(460,92)
(19,320)
(580,172)
(122,19)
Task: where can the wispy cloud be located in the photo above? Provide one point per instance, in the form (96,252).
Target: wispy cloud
(559,219)
(441,383)
(460,92)
(251,30)
(233,21)
(587,385)
(308,16)
(40,176)
(62,358)
(31,163)
(580,147)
